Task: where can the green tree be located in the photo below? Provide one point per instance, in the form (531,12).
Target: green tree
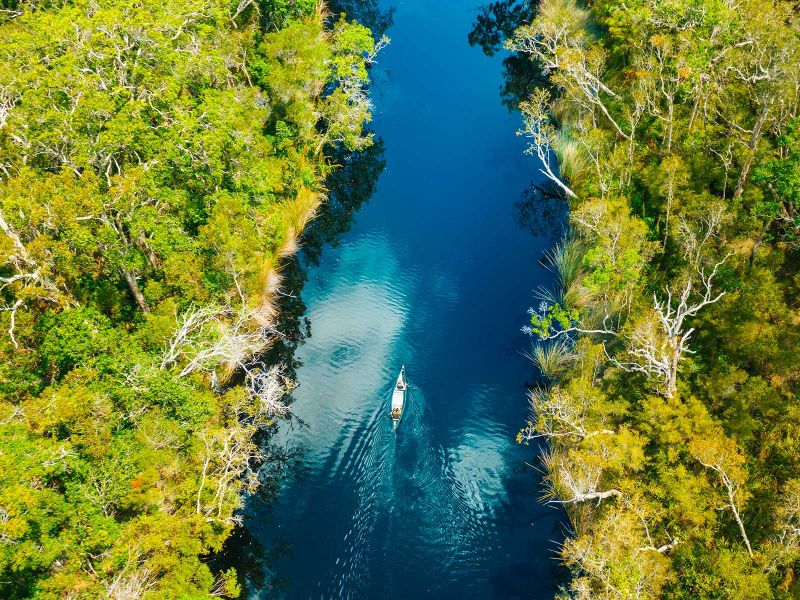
(157,160)
(674,124)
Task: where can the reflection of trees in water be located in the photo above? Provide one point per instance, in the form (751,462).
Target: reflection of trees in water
(366,12)
(497,21)
(542,210)
(243,549)
(494,24)
(349,187)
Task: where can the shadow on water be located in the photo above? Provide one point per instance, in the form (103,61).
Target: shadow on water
(349,188)
(367,12)
(445,507)
(494,24)
(542,210)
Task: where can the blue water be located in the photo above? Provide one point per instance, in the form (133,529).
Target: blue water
(436,274)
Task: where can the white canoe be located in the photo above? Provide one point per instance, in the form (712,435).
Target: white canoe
(399,397)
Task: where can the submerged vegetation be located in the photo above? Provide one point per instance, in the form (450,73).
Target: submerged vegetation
(157,159)
(670,404)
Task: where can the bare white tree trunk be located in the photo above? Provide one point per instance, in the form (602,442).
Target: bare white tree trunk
(657,348)
(539,130)
(578,483)
(559,415)
(730,488)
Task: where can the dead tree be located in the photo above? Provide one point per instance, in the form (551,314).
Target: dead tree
(657,346)
(541,132)
(267,388)
(575,482)
(584,487)
(210,336)
(559,415)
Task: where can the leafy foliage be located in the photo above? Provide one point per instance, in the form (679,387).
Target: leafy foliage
(157,159)
(671,424)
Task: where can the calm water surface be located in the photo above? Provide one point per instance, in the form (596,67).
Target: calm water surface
(437,275)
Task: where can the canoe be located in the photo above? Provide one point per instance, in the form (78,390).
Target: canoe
(399,398)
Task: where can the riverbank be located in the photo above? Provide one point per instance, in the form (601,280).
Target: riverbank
(158,163)
(672,370)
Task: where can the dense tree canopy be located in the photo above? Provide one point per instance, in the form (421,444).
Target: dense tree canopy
(157,158)
(670,342)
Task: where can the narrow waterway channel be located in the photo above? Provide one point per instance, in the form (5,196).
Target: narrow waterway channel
(435,274)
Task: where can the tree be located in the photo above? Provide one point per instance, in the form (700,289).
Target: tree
(674,125)
(659,343)
(157,162)
(720,455)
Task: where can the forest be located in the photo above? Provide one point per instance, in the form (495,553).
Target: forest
(158,160)
(669,342)
(159,163)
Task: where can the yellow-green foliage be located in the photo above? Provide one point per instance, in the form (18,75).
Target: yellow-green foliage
(673,426)
(156,158)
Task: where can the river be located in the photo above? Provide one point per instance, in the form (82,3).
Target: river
(435,273)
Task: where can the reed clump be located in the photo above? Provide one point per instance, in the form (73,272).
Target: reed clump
(565,260)
(552,358)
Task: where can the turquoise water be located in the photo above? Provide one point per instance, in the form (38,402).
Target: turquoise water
(436,274)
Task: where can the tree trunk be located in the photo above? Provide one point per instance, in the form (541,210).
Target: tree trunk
(672,376)
(591,496)
(670,197)
(134,287)
(751,147)
(735,512)
(756,244)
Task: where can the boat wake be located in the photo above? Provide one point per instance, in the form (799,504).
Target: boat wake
(378,511)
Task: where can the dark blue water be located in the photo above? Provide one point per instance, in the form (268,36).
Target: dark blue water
(436,274)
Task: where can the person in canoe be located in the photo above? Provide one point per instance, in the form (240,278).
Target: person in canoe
(399,398)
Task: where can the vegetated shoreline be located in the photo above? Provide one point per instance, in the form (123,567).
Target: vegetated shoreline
(668,344)
(159,161)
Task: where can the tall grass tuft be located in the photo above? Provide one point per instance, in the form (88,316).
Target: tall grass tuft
(553,357)
(566,13)
(577,295)
(537,396)
(572,160)
(296,214)
(549,458)
(565,260)
(549,296)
